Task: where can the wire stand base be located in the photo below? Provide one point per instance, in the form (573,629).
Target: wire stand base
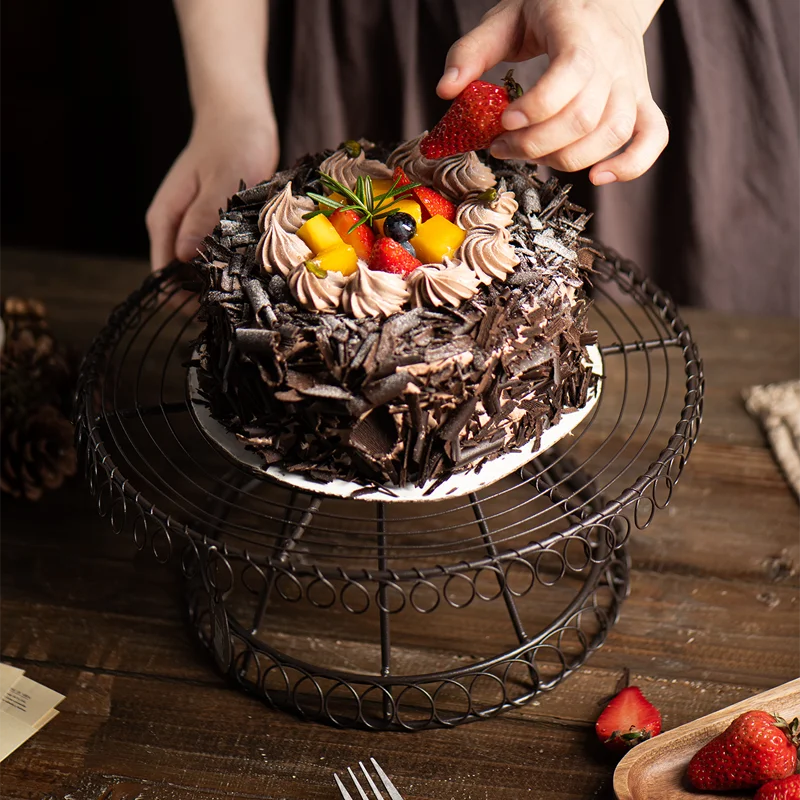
(521,580)
(387,700)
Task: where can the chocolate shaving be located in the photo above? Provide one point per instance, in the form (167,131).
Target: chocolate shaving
(455,424)
(260,302)
(386,389)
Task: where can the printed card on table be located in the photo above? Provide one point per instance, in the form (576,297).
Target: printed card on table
(25,707)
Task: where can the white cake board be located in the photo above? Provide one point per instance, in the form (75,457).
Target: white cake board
(455,486)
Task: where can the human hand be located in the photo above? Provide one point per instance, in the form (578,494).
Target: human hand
(222,150)
(594,97)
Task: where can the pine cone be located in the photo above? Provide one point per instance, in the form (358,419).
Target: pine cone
(37,379)
(34,369)
(37,454)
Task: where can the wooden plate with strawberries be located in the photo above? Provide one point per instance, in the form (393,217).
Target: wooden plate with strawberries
(656,769)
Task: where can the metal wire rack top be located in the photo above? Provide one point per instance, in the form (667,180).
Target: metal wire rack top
(252,549)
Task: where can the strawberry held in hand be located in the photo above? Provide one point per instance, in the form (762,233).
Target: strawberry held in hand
(627,720)
(473,120)
(782,789)
(756,747)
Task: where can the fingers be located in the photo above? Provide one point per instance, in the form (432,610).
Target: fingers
(481,49)
(576,121)
(163,217)
(199,220)
(571,141)
(568,75)
(650,137)
(613,131)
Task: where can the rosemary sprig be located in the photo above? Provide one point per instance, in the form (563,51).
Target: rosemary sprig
(362,200)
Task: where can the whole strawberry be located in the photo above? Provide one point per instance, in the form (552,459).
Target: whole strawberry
(756,747)
(473,120)
(781,789)
(627,720)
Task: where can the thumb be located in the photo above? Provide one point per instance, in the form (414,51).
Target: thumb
(199,221)
(485,46)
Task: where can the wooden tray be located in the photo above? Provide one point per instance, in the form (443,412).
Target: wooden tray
(654,769)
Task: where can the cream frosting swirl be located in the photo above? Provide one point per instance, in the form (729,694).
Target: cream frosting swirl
(371,293)
(456,175)
(474,212)
(279,248)
(316,294)
(345,168)
(285,210)
(488,251)
(414,164)
(437,285)
(282,251)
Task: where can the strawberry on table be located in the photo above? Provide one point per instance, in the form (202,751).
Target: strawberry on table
(756,747)
(361,239)
(627,720)
(473,120)
(781,789)
(390,256)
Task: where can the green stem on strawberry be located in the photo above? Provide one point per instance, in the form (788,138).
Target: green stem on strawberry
(363,200)
(791,729)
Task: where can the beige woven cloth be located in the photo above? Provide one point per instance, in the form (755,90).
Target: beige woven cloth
(777,405)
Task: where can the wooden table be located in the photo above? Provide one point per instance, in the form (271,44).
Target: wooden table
(712,618)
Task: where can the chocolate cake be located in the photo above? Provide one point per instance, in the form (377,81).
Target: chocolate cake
(393,368)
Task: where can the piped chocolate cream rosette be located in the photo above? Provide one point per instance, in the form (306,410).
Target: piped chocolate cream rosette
(386,318)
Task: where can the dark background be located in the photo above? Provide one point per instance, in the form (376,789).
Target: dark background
(94,109)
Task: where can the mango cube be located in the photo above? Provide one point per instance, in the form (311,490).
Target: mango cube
(381,186)
(409,206)
(319,234)
(436,238)
(339,258)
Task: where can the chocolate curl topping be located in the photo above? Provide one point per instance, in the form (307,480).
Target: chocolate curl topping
(259,300)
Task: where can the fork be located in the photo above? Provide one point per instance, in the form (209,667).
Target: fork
(387,784)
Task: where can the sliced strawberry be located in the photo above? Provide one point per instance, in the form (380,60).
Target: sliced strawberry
(434,203)
(390,256)
(627,720)
(361,239)
(400,177)
(430,200)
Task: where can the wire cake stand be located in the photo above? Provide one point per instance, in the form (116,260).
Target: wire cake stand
(404,615)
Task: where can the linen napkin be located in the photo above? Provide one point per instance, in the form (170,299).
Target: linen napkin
(777,406)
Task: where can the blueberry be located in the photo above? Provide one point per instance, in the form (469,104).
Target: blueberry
(409,247)
(400,226)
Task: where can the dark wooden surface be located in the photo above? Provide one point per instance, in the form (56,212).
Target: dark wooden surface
(713,617)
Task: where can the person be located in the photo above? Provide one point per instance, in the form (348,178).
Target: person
(343,69)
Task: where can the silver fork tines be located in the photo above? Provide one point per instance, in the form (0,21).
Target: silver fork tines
(384,778)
